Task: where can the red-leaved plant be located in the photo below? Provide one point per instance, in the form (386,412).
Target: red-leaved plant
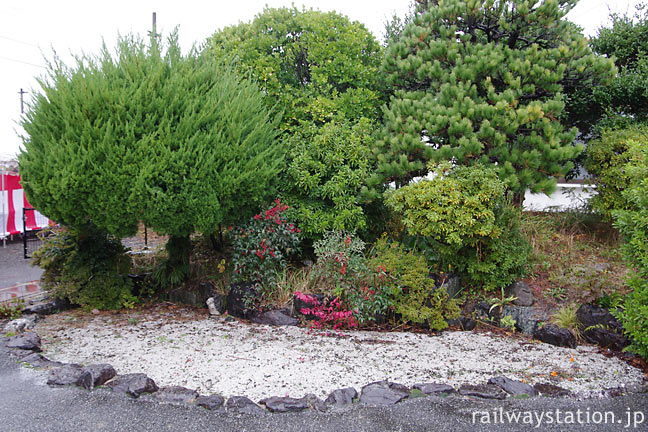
(329,315)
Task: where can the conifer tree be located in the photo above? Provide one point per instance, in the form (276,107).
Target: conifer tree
(178,142)
(480,81)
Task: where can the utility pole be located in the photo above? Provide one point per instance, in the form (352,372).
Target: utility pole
(153,32)
(22,102)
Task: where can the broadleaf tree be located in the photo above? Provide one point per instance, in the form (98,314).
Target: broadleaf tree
(480,82)
(146,134)
(323,71)
(625,99)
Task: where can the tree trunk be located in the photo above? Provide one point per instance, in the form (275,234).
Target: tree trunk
(176,269)
(518,199)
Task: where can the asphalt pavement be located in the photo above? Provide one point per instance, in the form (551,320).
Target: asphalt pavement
(28,404)
(14,268)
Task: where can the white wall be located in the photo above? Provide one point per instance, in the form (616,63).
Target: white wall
(567,196)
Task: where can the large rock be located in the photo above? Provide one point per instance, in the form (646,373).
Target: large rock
(601,327)
(49,307)
(95,375)
(212,402)
(463,323)
(315,403)
(551,390)
(20,353)
(554,335)
(241,300)
(342,397)
(192,296)
(275,318)
(434,389)
(27,341)
(177,395)
(485,391)
(284,404)
(67,374)
(133,384)
(484,311)
(452,286)
(513,387)
(21,324)
(383,393)
(39,361)
(243,405)
(522,292)
(216,305)
(527,319)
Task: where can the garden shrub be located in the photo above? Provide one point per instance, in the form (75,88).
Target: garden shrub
(261,247)
(340,260)
(605,159)
(346,274)
(633,225)
(465,214)
(415,295)
(86,266)
(392,280)
(327,170)
(149,135)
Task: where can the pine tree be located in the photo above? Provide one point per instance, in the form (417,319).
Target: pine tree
(479,82)
(149,135)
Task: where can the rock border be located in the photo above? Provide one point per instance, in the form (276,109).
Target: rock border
(26,348)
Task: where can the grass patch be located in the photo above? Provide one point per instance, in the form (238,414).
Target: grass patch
(575,256)
(416,393)
(566,317)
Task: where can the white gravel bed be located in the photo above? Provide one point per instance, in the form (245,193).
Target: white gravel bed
(235,358)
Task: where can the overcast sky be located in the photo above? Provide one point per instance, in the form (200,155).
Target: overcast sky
(30,29)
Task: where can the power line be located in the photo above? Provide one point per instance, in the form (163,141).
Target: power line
(19,41)
(23,62)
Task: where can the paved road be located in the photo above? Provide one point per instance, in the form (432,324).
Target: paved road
(28,404)
(14,268)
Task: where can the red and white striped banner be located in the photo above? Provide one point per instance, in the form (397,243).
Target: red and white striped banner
(12,202)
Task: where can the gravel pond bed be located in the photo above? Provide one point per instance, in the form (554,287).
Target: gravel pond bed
(182,346)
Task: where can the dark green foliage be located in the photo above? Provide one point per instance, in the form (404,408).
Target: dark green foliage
(479,83)
(464,213)
(626,97)
(605,161)
(172,269)
(415,296)
(626,39)
(329,166)
(633,315)
(177,142)
(633,224)
(87,267)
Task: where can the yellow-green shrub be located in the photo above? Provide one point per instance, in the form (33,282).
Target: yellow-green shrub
(416,297)
(465,214)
